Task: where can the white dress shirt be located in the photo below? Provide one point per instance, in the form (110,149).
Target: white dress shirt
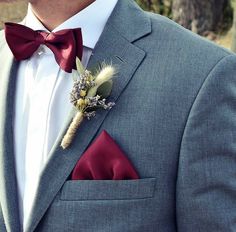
(42,99)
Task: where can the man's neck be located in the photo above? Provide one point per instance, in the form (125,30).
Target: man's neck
(54,12)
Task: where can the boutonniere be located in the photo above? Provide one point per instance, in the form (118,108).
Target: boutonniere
(89,93)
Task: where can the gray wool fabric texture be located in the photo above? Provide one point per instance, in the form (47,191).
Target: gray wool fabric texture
(175,119)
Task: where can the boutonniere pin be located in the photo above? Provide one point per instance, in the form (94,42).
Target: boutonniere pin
(89,93)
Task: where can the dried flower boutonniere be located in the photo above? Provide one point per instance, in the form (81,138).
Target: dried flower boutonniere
(89,93)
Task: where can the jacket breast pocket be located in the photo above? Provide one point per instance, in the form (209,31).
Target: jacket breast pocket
(83,190)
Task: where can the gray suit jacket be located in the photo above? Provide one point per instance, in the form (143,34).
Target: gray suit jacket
(175,118)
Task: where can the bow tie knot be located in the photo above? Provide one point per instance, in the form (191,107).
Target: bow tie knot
(41,37)
(65,44)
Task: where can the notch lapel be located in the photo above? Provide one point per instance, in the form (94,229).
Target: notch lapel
(8,184)
(115,46)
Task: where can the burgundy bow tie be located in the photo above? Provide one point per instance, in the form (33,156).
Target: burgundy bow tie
(65,44)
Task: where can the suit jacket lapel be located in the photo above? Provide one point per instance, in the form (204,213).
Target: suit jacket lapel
(115,46)
(8,186)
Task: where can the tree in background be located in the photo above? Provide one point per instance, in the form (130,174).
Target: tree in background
(200,16)
(203,16)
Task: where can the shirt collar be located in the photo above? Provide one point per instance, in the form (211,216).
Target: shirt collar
(91,20)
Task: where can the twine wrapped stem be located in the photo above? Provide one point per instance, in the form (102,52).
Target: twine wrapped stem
(70,134)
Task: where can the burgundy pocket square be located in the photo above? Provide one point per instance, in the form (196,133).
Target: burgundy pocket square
(104,160)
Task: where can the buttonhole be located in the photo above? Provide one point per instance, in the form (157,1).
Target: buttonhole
(119,58)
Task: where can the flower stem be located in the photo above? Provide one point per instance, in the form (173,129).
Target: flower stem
(70,134)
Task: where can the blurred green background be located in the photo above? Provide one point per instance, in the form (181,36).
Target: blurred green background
(212,19)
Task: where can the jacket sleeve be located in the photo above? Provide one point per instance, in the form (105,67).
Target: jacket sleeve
(206,183)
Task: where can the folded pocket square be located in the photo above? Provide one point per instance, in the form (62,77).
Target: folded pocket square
(104,160)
